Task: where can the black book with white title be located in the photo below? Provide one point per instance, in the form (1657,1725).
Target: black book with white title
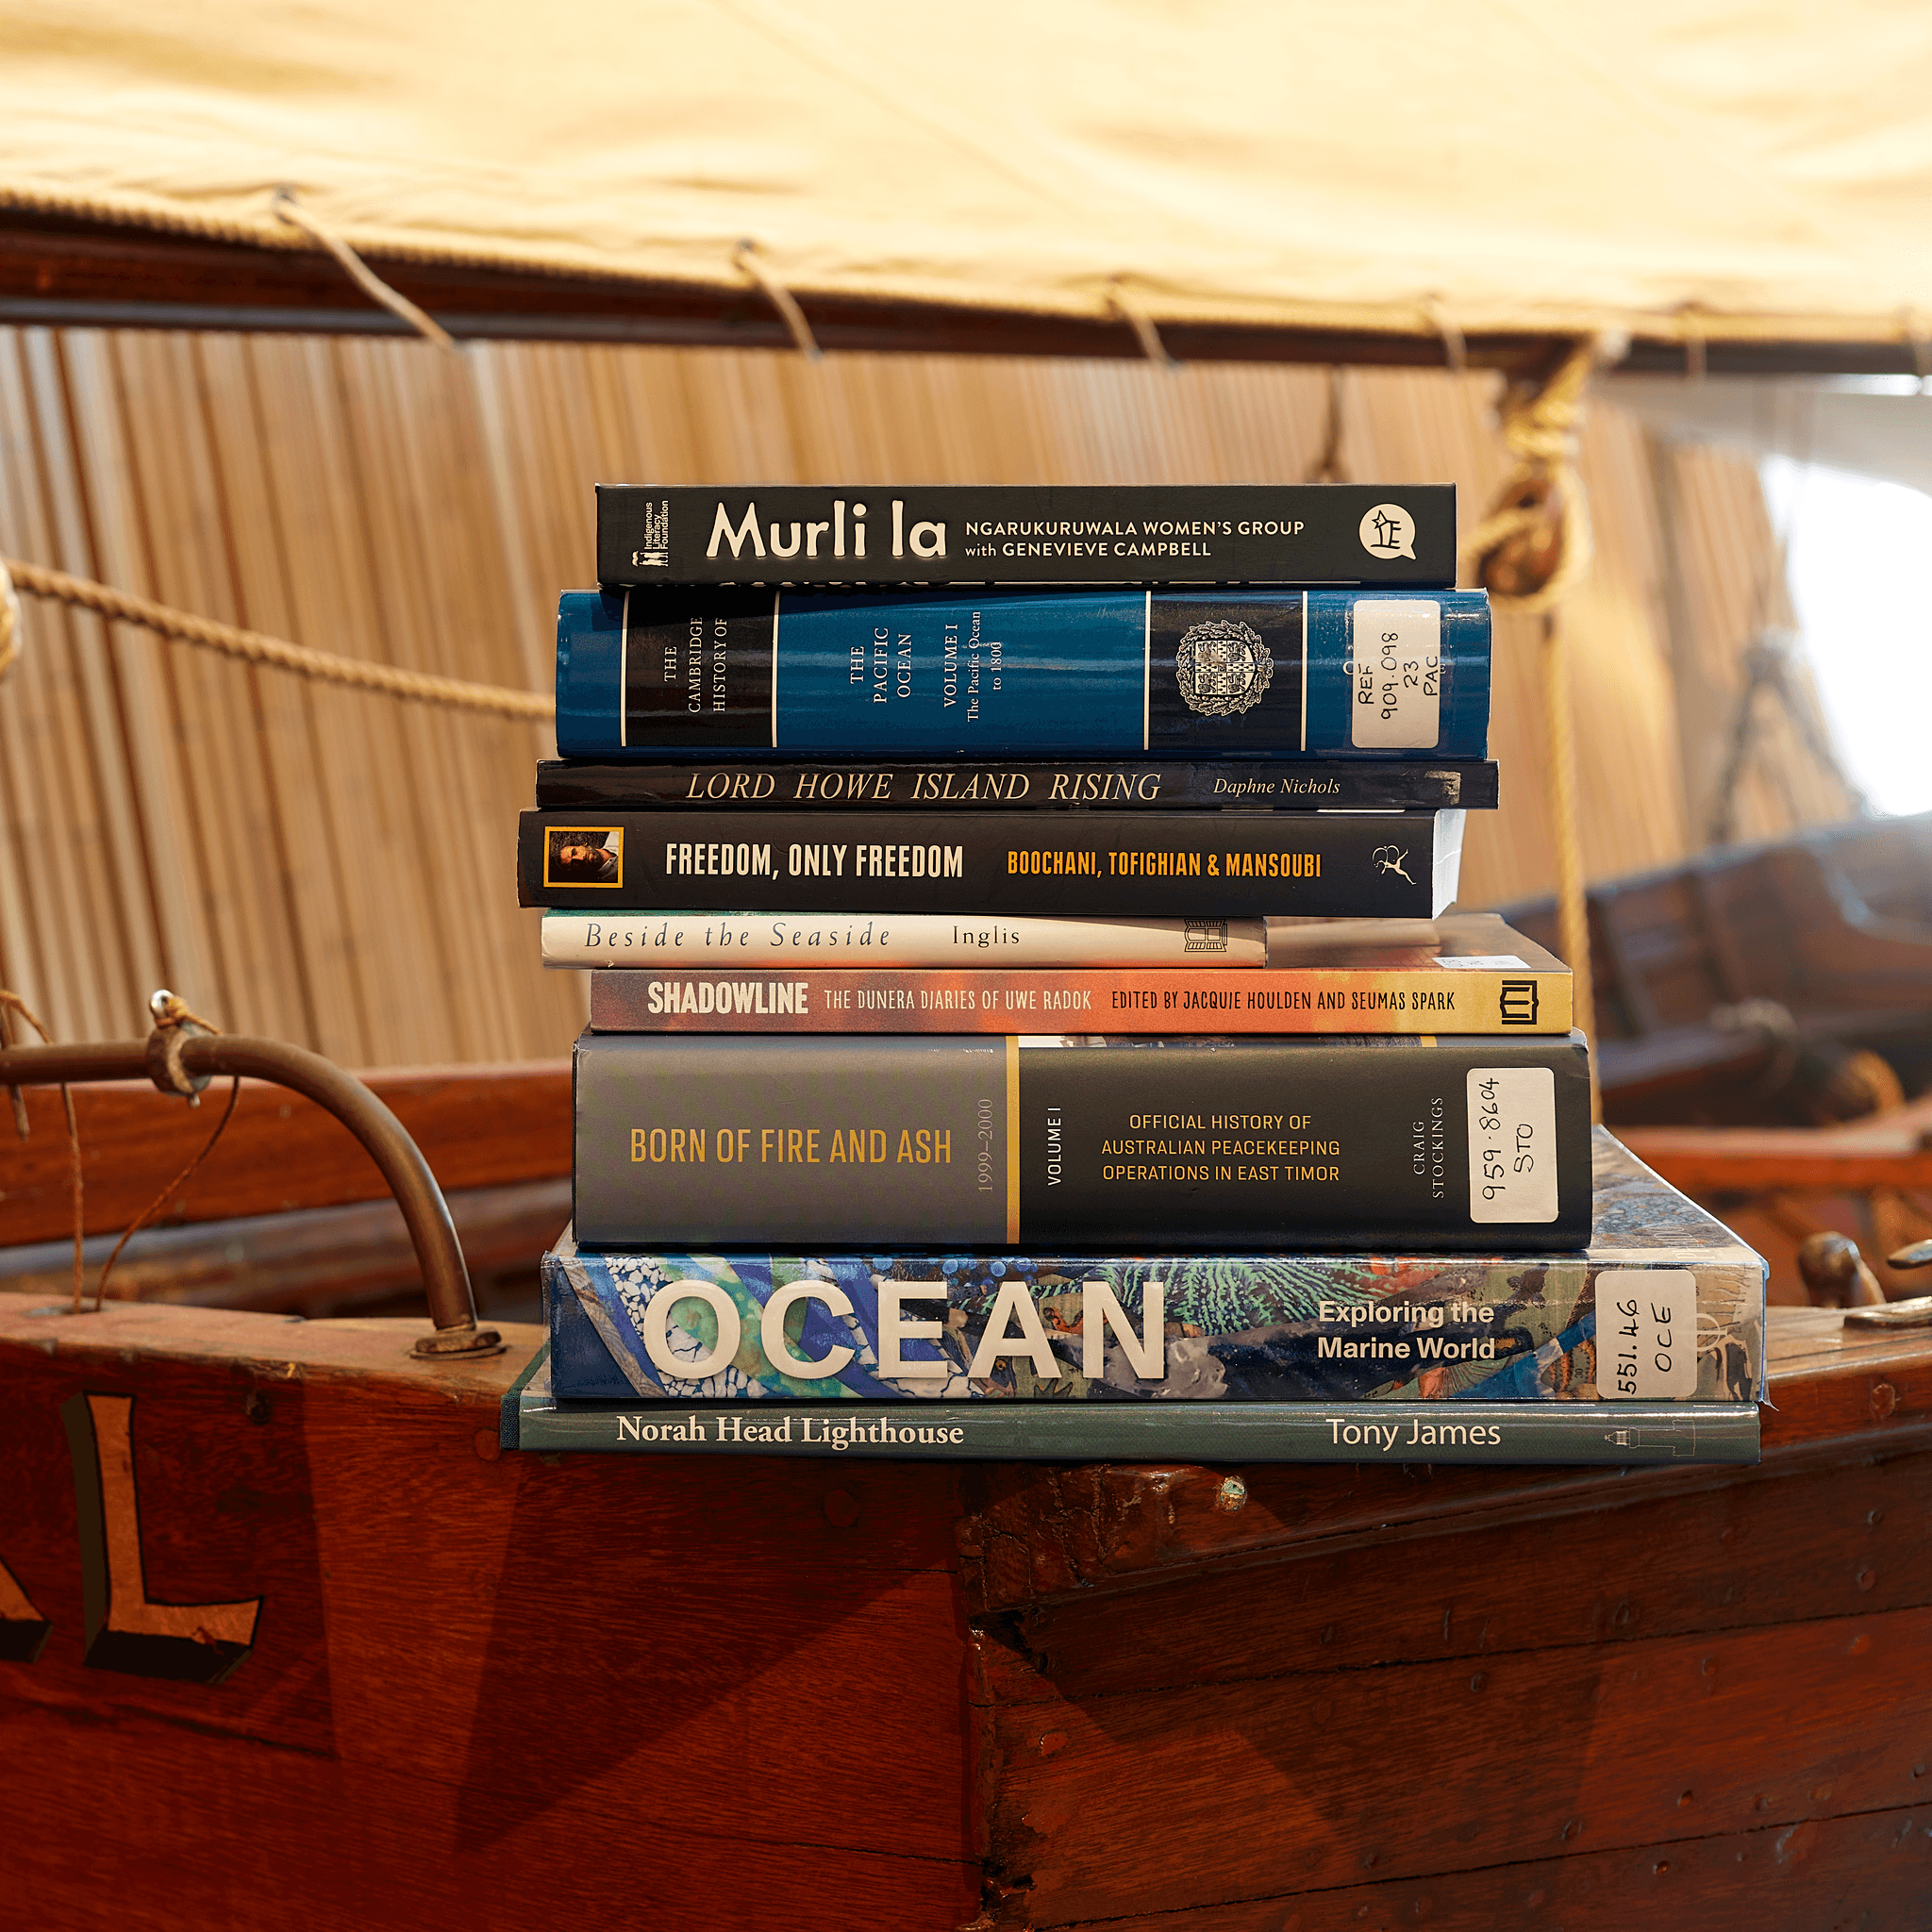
(1109,533)
(886,1141)
(1143,864)
(1025,785)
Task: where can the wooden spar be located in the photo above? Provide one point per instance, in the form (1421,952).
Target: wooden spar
(58,271)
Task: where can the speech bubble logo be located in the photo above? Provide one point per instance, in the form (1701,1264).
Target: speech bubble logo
(1389,530)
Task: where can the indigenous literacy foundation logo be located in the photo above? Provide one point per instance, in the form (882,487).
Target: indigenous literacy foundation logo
(583,855)
(656,553)
(1222,668)
(1389,530)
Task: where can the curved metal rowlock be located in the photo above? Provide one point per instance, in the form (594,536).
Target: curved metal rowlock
(180,1062)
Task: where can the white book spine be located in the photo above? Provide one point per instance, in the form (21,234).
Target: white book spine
(890,939)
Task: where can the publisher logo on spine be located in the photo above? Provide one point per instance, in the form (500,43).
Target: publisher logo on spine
(655,554)
(1206,936)
(1389,530)
(1222,668)
(1518,1001)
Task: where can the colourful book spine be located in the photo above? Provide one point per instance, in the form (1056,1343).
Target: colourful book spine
(1107,533)
(1097,864)
(1452,1142)
(644,996)
(1666,1305)
(997,673)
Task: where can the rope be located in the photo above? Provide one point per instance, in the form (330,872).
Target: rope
(1767,664)
(746,257)
(13,1003)
(1328,466)
(325,667)
(1572,896)
(1530,552)
(1454,349)
(1535,545)
(172,1016)
(1136,319)
(290,210)
(9,621)
(1919,341)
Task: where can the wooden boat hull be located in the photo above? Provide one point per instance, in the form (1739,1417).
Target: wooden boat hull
(496,1688)
(1729,989)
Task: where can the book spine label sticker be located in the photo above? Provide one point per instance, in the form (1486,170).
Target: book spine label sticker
(1647,1334)
(1395,674)
(1512,1144)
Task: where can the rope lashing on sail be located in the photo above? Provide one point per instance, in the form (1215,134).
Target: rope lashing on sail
(1123,305)
(1531,550)
(745,257)
(288,208)
(254,647)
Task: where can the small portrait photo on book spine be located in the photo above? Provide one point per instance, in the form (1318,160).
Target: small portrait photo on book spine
(583,855)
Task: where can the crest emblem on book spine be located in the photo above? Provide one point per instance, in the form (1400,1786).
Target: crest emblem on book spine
(1222,668)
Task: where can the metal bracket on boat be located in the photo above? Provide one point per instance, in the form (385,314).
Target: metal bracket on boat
(192,1060)
(1916,1313)
(173,1028)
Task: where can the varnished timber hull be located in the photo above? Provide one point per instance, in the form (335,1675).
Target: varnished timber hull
(314,1652)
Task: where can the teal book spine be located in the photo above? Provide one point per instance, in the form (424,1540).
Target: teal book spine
(1060,672)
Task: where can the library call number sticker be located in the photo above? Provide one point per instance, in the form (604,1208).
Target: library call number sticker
(1395,674)
(1512,1143)
(1646,1334)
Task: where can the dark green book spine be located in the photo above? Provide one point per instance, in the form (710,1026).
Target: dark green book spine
(888,1141)
(1626,1435)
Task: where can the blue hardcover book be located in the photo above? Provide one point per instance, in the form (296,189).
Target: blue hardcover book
(717,671)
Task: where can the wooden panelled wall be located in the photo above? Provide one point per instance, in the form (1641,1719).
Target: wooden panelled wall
(337,869)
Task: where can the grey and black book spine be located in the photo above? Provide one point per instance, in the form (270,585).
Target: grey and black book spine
(1629,1436)
(1143,864)
(881,1141)
(1222,533)
(1151,784)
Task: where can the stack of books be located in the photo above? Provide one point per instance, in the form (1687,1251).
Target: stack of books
(1029,1018)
